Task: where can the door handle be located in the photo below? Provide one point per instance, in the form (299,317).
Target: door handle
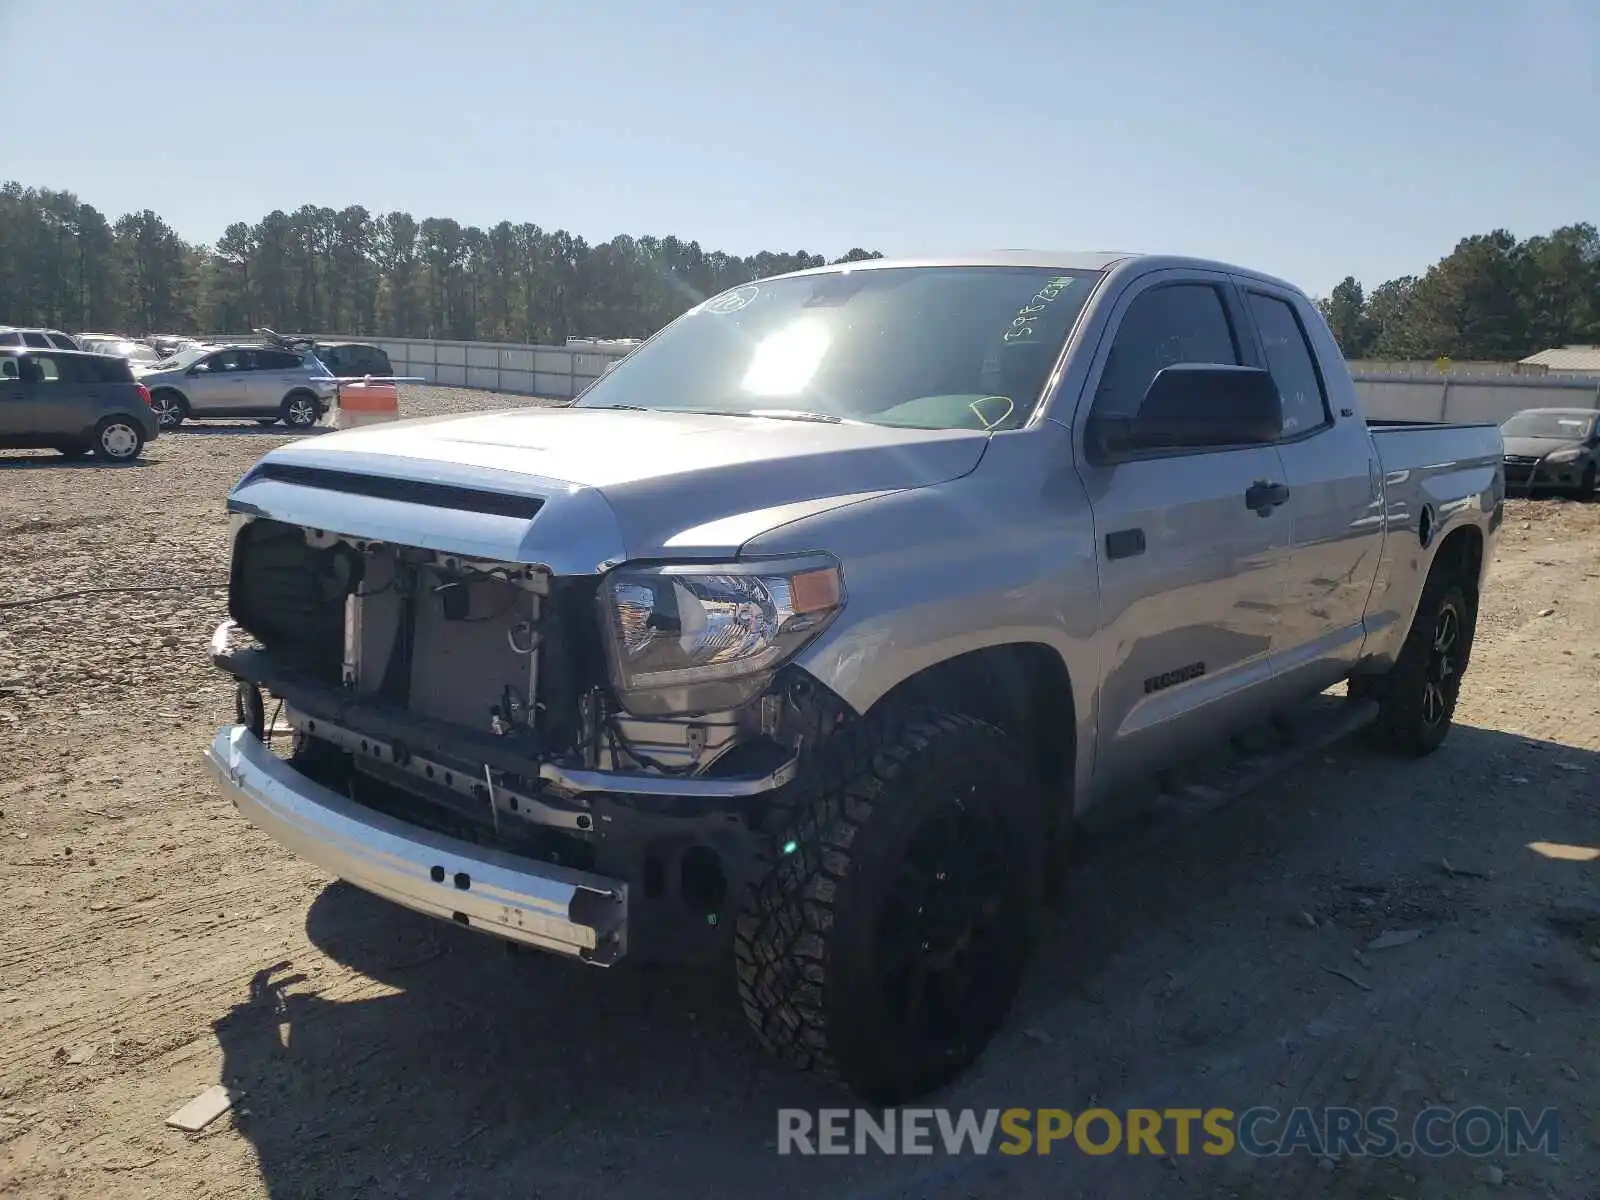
(1124,543)
(1261,497)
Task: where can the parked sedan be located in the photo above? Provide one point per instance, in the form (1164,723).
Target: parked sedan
(239,383)
(109,343)
(73,402)
(1557,448)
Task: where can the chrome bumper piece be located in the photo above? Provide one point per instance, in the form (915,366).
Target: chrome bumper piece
(570,912)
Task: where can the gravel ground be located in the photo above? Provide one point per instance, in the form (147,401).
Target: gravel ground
(156,943)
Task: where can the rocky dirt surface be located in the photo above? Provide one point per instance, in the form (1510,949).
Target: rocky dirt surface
(155,944)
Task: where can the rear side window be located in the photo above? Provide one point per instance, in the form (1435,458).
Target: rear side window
(1292,363)
(103,368)
(61,341)
(276,360)
(1174,323)
(10,338)
(230,360)
(37,340)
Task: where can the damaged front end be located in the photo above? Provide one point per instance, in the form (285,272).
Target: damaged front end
(581,762)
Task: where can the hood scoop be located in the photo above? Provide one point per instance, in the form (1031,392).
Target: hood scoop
(406,491)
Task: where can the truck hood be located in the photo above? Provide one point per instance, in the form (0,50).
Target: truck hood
(608,483)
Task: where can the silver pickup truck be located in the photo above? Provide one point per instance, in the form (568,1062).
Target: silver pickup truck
(804,635)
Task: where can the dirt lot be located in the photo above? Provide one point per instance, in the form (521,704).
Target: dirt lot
(154,943)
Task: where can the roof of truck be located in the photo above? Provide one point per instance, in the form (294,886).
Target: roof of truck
(1060,260)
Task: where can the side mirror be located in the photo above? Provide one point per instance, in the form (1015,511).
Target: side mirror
(1193,405)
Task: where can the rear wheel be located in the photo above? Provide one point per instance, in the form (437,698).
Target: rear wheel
(169,408)
(887,940)
(117,439)
(300,410)
(1417,697)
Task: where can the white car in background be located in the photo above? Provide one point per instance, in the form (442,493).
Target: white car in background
(37,339)
(136,353)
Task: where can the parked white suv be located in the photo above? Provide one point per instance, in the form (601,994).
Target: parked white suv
(37,339)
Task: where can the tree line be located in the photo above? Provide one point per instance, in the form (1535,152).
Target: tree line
(1493,298)
(63,264)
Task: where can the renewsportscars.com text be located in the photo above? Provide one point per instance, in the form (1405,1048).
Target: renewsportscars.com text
(1162,1132)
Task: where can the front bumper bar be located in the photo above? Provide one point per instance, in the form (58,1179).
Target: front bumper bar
(540,904)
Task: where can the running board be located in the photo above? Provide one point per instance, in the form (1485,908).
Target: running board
(1186,794)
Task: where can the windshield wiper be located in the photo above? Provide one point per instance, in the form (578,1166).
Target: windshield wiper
(795,414)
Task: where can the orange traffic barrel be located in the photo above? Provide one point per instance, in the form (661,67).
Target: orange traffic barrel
(365,402)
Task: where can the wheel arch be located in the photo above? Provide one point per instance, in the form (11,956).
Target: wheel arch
(1024,689)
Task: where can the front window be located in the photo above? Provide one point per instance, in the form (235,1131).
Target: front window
(182,360)
(926,347)
(1569,427)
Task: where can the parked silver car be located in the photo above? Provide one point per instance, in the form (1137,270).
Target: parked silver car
(118,346)
(239,382)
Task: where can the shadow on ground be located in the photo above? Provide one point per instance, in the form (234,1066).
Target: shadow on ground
(58,462)
(1165,967)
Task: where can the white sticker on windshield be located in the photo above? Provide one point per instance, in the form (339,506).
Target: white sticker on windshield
(733,301)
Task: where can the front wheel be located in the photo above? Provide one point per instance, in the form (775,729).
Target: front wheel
(1417,697)
(1586,484)
(888,937)
(117,439)
(300,411)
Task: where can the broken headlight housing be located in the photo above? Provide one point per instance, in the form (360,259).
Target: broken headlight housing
(697,637)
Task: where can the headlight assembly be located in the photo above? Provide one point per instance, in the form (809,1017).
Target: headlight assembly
(1563,456)
(699,637)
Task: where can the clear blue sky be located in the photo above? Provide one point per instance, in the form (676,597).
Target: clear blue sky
(1364,136)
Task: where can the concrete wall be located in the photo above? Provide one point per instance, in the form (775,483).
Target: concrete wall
(553,371)
(1391,391)
(1403,396)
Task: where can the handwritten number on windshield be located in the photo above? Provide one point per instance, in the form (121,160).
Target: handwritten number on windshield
(1022,324)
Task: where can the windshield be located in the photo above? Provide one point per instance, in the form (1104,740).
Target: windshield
(928,347)
(1569,427)
(182,360)
(129,350)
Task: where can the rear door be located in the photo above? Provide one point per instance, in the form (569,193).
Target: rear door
(70,404)
(49,382)
(1335,482)
(220,385)
(276,373)
(1191,576)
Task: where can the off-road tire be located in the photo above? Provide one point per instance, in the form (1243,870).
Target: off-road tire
(1415,705)
(809,943)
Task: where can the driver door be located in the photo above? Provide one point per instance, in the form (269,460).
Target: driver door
(1192,563)
(219,385)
